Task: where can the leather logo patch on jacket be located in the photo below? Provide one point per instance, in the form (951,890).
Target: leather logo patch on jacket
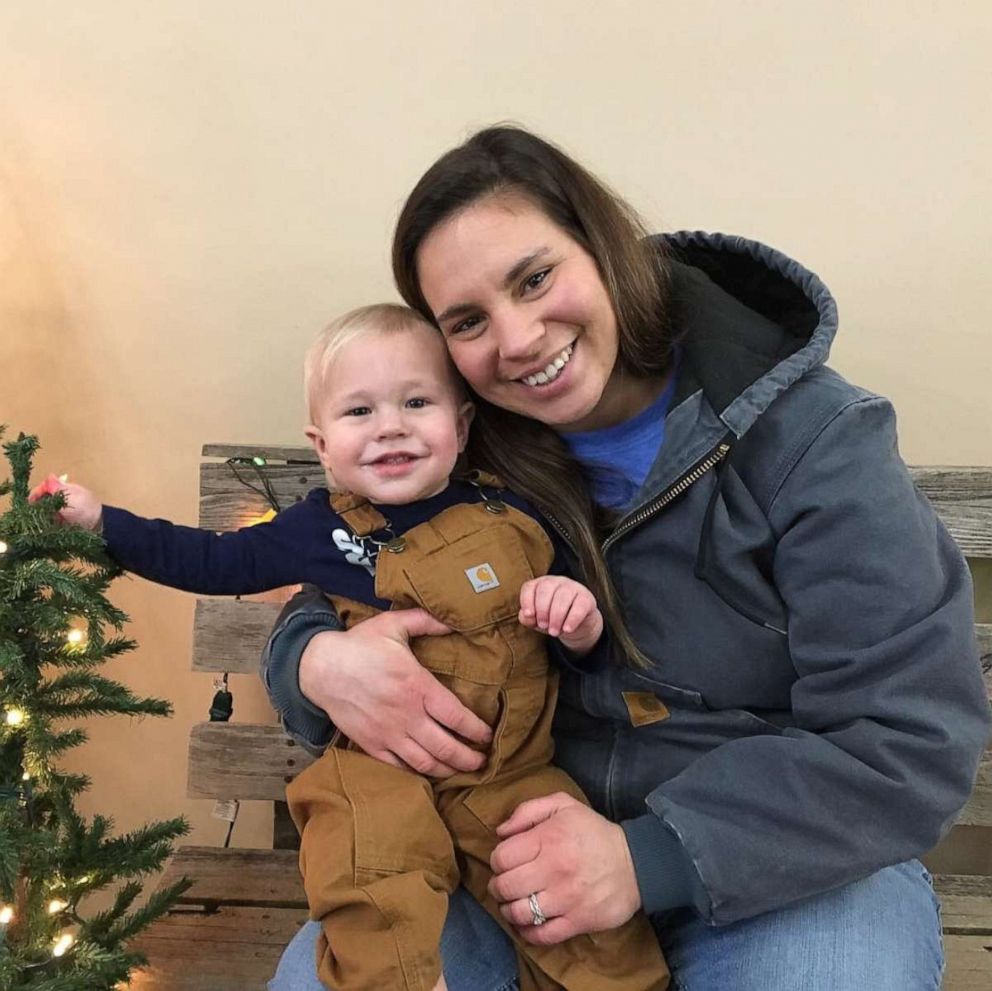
(644,708)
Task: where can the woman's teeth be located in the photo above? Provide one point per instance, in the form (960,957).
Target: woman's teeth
(553,369)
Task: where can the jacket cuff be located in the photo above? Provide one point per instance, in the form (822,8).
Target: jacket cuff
(666,877)
(308,724)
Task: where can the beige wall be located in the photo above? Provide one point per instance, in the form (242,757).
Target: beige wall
(188,190)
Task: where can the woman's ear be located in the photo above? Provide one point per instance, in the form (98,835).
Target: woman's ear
(465,414)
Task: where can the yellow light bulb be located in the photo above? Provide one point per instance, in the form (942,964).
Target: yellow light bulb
(6,915)
(62,944)
(25,776)
(56,905)
(75,637)
(3,547)
(14,717)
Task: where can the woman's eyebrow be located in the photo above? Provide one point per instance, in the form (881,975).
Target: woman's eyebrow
(511,276)
(522,266)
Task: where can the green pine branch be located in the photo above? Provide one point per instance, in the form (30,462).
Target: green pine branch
(53,577)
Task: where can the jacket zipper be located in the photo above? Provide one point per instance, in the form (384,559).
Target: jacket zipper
(672,492)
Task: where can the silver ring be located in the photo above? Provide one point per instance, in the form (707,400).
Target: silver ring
(538,918)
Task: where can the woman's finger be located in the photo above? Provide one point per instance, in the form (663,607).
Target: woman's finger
(416,758)
(528,814)
(553,931)
(511,854)
(446,749)
(444,707)
(520,913)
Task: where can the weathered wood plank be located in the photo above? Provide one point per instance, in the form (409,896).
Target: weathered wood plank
(965,903)
(242,760)
(232,949)
(969,963)
(978,811)
(962,497)
(258,878)
(229,634)
(227,504)
(983,633)
(271,452)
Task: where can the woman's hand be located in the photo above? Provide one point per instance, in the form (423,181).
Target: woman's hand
(575,861)
(376,692)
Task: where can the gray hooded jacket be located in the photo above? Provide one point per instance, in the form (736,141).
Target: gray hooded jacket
(809,618)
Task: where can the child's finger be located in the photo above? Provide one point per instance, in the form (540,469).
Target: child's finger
(543,594)
(561,606)
(527,598)
(578,612)
(47,487)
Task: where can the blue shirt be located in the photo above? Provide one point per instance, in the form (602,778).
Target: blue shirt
(619,458)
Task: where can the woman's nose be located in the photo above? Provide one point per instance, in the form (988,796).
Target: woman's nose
(519,337)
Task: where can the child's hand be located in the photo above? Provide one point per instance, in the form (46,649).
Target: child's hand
(82,508)
(562,608)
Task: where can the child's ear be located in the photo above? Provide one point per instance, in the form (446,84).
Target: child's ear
(465,414)
(316,437)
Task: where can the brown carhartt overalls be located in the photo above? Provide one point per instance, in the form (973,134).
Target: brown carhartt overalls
(382,848)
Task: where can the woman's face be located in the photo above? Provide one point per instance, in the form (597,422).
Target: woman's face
(525,313)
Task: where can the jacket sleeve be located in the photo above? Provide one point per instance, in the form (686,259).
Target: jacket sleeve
(891,714)
(309,612)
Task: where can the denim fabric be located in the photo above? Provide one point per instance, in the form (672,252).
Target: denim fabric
(477,954)
(881,933)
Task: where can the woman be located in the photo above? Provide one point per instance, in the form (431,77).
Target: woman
(812,713)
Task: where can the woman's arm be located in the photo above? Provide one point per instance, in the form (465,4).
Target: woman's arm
(366,683)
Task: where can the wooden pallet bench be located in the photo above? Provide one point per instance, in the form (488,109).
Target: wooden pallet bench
(232,925)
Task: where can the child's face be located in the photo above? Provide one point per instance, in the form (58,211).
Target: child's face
(391,422)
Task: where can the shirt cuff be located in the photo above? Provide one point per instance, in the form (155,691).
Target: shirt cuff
(666,877)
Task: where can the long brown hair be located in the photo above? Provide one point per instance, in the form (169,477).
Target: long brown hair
(528,455)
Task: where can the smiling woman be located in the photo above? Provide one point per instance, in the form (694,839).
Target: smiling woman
(799,712)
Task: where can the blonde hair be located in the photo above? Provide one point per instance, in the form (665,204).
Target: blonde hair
(378,317)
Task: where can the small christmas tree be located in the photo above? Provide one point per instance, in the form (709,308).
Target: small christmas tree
(56,628)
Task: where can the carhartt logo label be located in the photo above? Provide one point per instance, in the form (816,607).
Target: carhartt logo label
(482,577)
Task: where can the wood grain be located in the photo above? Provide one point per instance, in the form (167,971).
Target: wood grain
(243,761)
(259,878)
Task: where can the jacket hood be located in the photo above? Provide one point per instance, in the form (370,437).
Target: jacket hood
(752,321)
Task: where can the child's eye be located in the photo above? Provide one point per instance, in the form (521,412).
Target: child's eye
(536,280)
(418,402)
(358,411)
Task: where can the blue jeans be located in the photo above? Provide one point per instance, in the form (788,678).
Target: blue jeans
(878,934)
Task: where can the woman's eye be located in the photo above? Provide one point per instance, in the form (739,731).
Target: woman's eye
(536,280)
(417,403)
(358,411)
(465,326)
